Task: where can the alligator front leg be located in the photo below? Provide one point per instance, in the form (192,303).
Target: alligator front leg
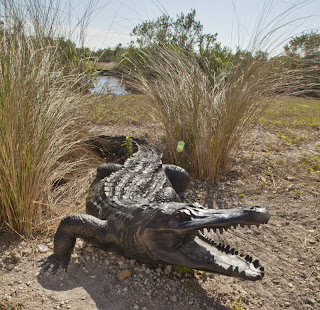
(84,226)
(178,177)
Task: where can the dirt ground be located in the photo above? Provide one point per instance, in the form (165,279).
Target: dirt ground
(275,168)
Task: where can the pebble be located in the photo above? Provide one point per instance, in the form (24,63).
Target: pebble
(15,255)
(125,274)
(168,270)
(262,179)
(173,298)
(291,187)
(42,248)
(310,301)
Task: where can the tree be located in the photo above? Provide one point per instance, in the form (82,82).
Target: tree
(303,56)
(184,32)
(305,45)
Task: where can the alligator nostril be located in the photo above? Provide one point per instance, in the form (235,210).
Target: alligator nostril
(255,208)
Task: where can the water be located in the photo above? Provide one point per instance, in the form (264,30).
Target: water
(109,85)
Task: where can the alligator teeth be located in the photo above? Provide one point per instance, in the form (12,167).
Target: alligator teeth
(221,230)
(243,274)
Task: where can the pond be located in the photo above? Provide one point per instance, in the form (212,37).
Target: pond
(109,85)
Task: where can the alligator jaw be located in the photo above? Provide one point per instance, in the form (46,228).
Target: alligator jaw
(189,242)
(220,258)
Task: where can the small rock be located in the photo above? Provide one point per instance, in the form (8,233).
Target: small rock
(262,179)
(10,267)
(290,178)
(310,301)
(168,270)
(124,275)
(290,285)
(79,244)
(89,249)
(173,298)
(26,251)
(291,187)
(42,248)
(15,255)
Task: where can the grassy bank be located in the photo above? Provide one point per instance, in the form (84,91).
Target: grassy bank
(282,112)
(118,108)
(292,111)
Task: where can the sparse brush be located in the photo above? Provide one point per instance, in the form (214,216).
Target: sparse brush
(40,115)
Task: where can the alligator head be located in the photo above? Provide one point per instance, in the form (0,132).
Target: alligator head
(179,235)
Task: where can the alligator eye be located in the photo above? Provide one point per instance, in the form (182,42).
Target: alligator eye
(179,215)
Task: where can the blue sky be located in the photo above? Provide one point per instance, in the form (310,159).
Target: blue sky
(233,20)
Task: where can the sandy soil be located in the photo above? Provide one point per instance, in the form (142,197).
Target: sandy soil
(273,169)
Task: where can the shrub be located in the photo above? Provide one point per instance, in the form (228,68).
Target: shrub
(211,113)
(40,114)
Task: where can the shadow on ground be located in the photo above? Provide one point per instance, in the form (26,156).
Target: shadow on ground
(140,291)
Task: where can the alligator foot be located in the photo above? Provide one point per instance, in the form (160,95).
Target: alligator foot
(54,262)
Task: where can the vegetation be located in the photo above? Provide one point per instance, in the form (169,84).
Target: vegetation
(210,113)
(292,112)
(40,112)
(204,95)
(303,51)
(183,33)
(107,54)
(208,97)
(118,108)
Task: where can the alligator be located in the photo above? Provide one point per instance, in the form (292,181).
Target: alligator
(135,210)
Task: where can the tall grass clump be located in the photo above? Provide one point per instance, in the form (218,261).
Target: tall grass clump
(40,112)
(212,112)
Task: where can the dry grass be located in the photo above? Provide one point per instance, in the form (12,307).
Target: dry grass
(211,114)
(41,120)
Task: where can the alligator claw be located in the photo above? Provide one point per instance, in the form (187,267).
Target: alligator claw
(54,262)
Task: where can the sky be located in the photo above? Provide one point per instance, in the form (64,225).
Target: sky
(235,21)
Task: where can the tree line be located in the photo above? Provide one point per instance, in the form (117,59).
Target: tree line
(185,33)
